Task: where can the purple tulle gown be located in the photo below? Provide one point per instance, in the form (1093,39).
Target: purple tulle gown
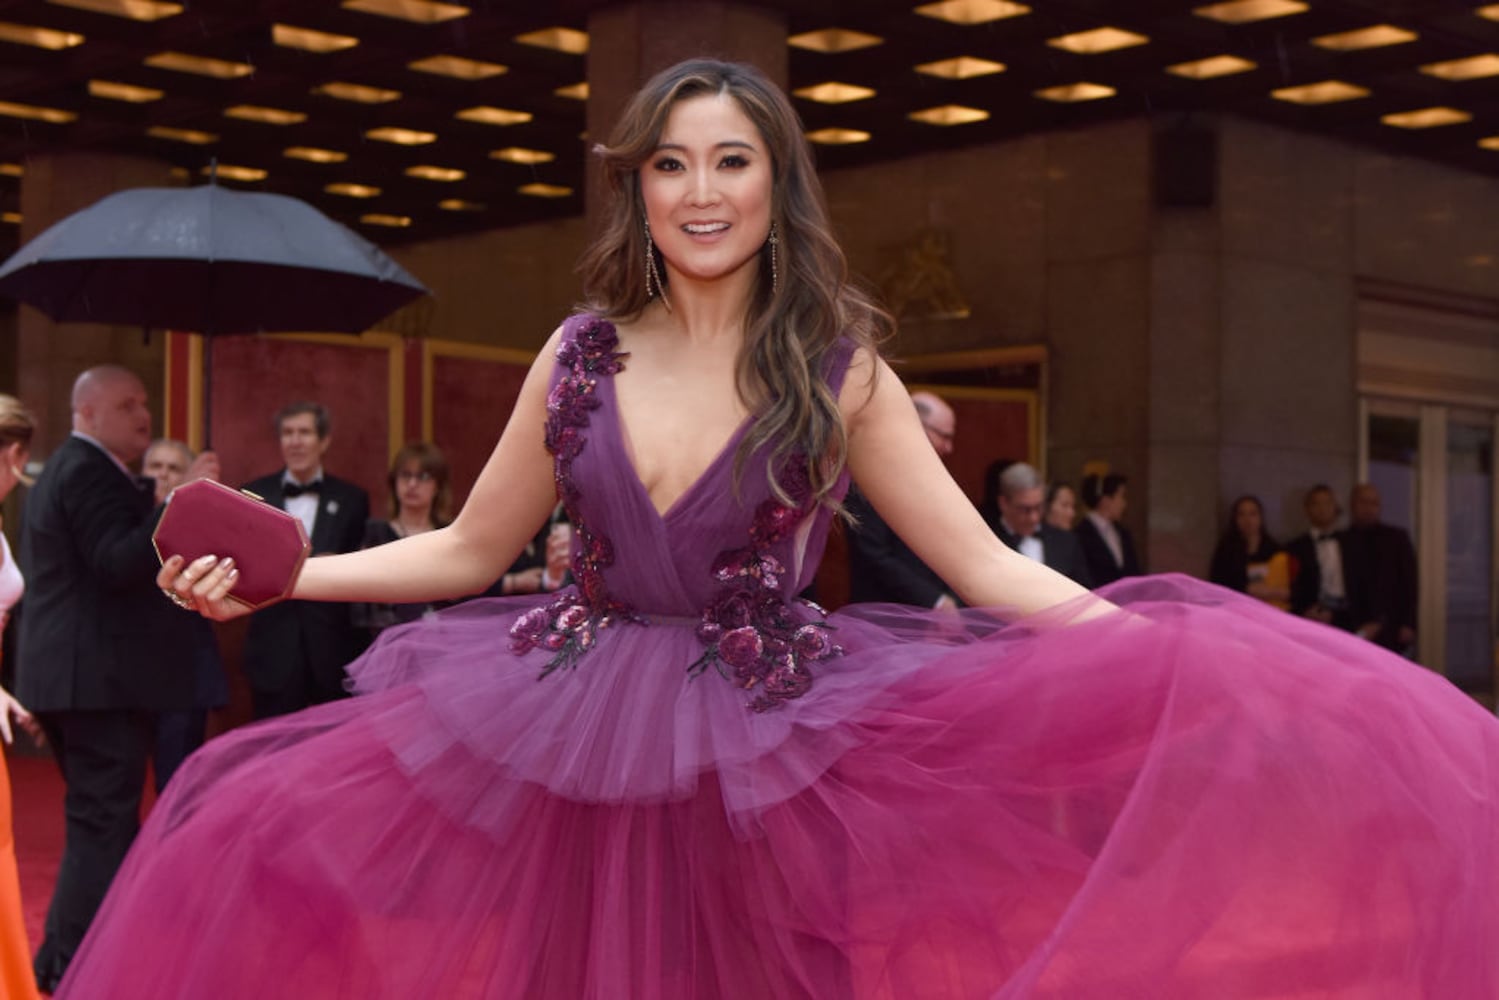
(677,781)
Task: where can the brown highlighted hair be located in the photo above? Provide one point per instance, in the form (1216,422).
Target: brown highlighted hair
(429,459)
(790,330)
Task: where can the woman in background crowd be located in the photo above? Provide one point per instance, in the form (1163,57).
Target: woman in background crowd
(421,500)
(1247,559)
(1061,506)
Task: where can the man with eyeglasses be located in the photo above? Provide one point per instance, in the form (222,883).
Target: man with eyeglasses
(1021,526)
(295,651)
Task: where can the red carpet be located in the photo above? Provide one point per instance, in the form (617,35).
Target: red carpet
(36,809)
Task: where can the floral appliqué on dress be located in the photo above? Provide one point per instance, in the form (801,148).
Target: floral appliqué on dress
(568,626)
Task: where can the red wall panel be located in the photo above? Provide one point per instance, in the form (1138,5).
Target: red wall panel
(471,403)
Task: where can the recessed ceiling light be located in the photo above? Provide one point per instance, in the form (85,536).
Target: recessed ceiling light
(519,154)
(494,116)
(569,40)
(1489,142)
(573,91)
(352,190)
(972,11)
(381,219)
(12,170)
(949,114)
(1427,118)
(233,172)
(357,92)
(313,154)
(36,113)
(134,10)
(415,11)
(1074,93)
(1491,12)
(427,172)
(834,93)
(1325,92)
(401,136)
(181,62)
(41,38)
(459,205)
(1471,68)
(265,116)
(961,68)
(1213,66)
(1098,40)
(112,91)
(834,40)
(13,218)
(308,40)
(837,136)
(187,135)
(1245,11)
(458,67)
(1365,38)
(539,190)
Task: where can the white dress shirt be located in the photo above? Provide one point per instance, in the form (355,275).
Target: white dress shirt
(1330,564)
(304,507)
(1110,536)
(1029,546)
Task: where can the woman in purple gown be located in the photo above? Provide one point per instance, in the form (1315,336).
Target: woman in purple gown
(675,780)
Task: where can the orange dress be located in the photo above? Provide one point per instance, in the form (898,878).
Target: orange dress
(17,982)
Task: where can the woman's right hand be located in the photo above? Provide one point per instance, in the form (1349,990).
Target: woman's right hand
(12,709)
(202,585)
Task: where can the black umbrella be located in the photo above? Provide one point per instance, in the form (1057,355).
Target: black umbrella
(207,260)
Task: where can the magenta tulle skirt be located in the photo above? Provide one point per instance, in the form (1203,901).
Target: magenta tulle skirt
(1200,797)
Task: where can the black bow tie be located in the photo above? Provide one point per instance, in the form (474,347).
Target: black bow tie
(290,490)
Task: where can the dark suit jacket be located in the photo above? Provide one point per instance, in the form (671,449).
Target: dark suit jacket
(1306,575)
(1379,570)
(1059,549)
(315,638)
(1101,565)
(881,567)
(96,634)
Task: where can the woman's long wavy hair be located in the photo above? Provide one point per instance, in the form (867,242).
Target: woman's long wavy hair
(791,329)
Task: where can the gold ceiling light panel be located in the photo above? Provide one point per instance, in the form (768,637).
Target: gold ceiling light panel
(1246,11)
(1323,92)
(961,68)
(12,170)
(486,115)
(1089,43)
(353,190)
(134,10)
(427,172)
(573,91)
(401,136)
(1489,142)
(192,137)
(1374,37)
(264,115)
(949,114)
(308,40)
(458,67)
(1471,68)
(1076,93)
(459,205)
(1211,67)
(381,219)
(972,11)
(314,154)
(358,93)
(40,38)
(831,40)
(522,155)
(540,190)
(234,173)
(833,92)
(219,69)
(1426,118)
(13,218)
(111,90)
(837,136)
(569,40)
(1491,12)
(415,11)
(36,113)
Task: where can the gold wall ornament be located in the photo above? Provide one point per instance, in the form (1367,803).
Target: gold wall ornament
(921,284)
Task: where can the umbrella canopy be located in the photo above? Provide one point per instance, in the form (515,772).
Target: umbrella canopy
(209,260)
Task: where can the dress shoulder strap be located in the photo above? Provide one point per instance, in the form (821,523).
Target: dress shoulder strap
(836,362)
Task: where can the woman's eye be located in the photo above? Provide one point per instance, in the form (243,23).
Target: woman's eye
(668,164)
(734,160)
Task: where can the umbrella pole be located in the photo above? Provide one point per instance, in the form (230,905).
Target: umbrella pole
(207,392)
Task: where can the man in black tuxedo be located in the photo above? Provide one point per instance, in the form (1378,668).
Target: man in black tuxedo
(96,653)
(1022,499)
(1381,574)
(1319,589)
(881,566)
(295,651)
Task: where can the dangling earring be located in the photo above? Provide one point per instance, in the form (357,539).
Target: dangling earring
(653,285)
(775,272)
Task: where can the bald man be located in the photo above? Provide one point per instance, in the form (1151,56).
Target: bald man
(881,566)
(95,659)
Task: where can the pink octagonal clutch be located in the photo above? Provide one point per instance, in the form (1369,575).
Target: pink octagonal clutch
(267,544)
